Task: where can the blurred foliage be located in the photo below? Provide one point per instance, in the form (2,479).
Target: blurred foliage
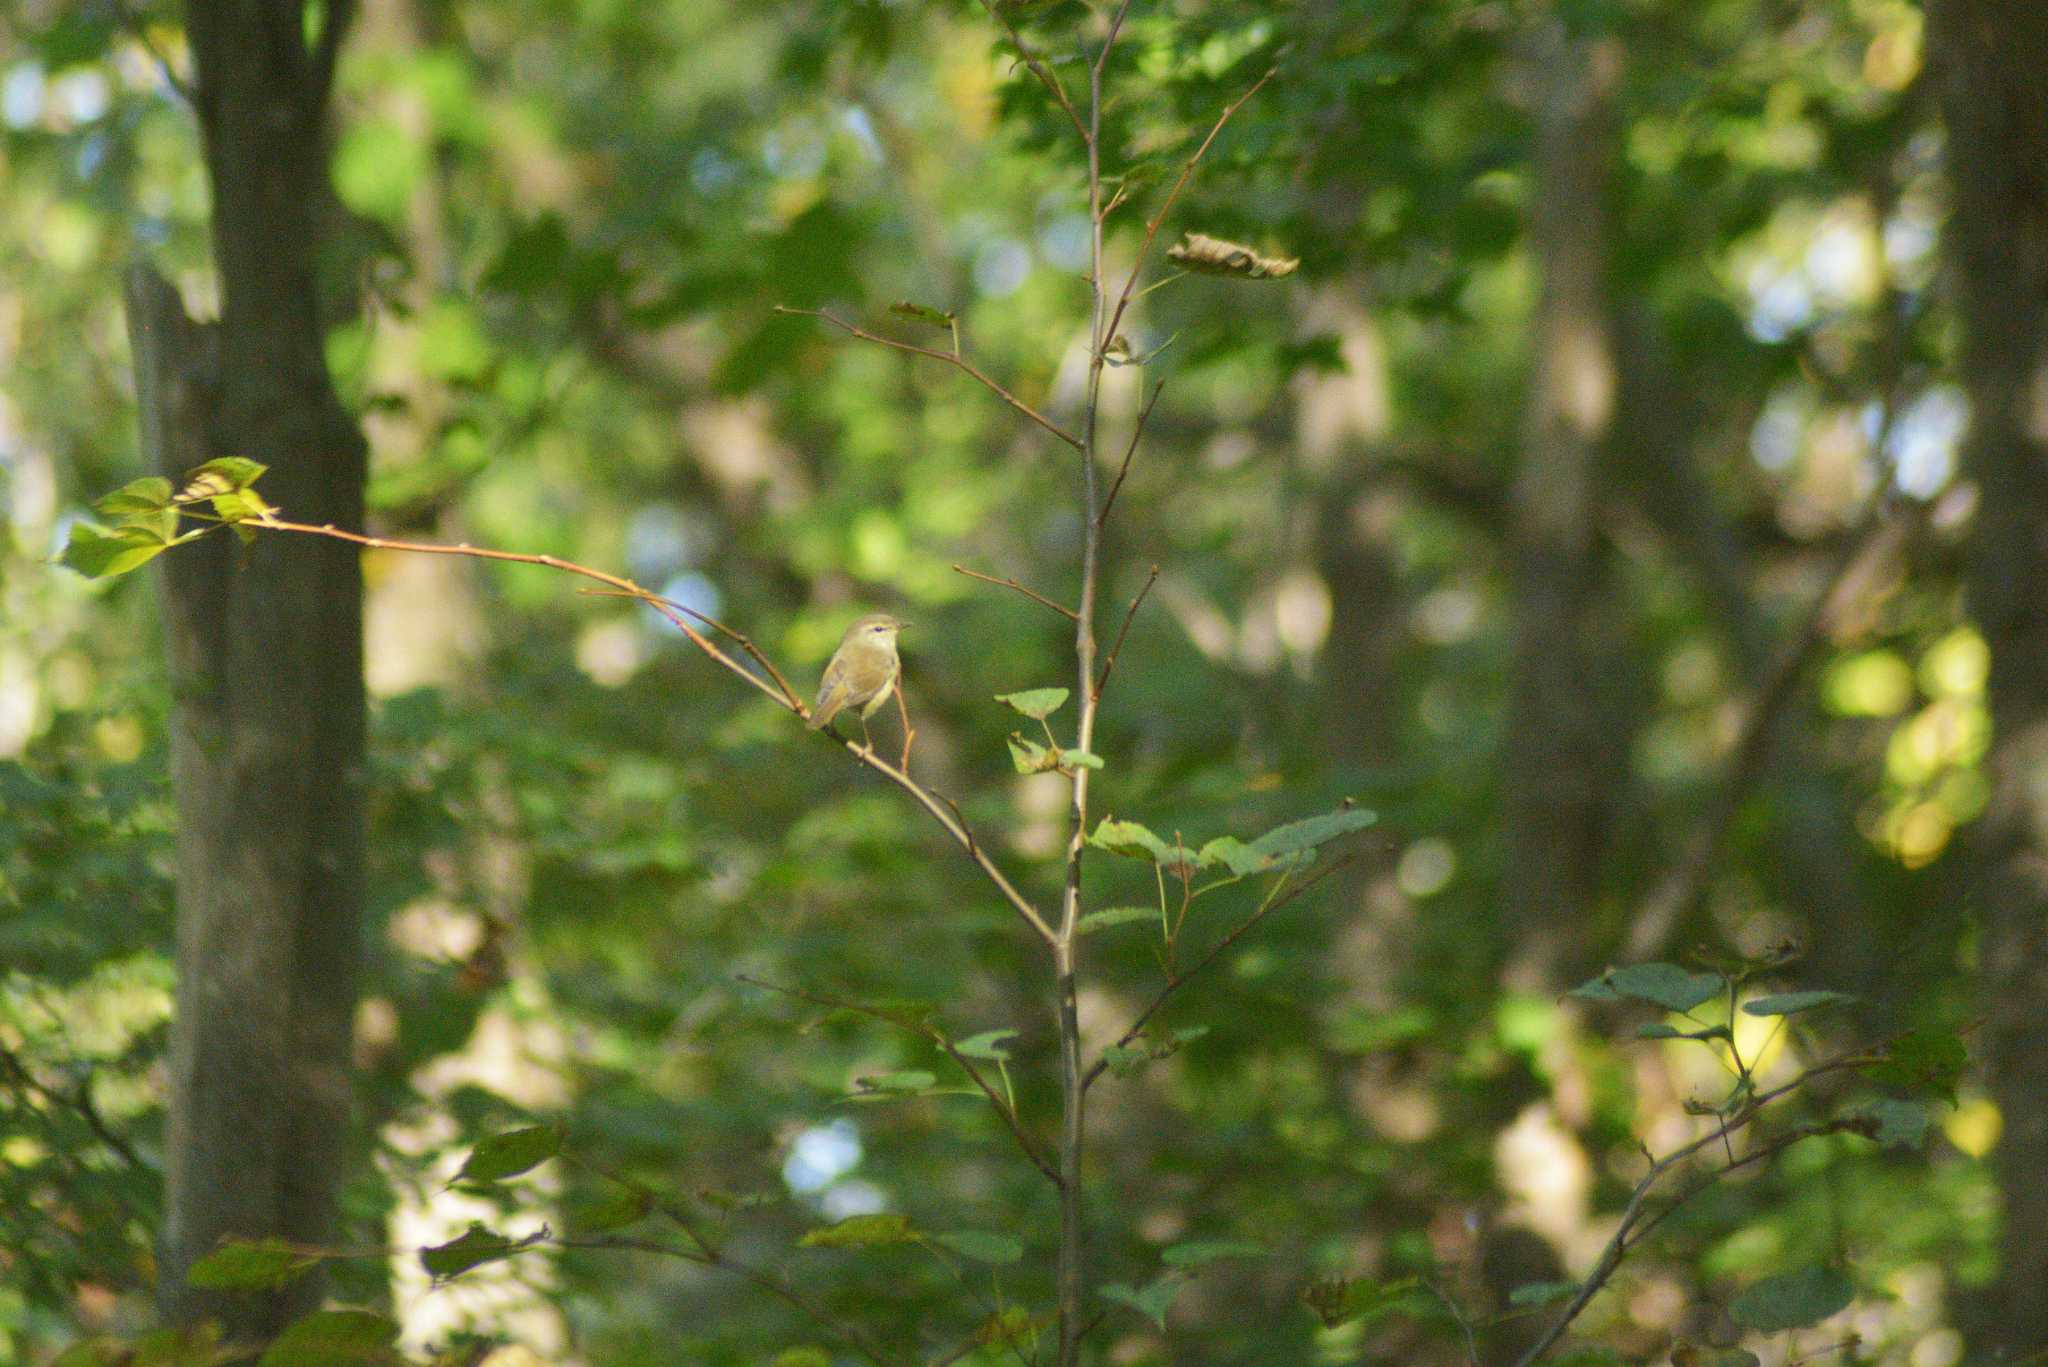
(558,233)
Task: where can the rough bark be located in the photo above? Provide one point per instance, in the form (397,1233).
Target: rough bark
(265,645)
(1992,60)
(1554,750)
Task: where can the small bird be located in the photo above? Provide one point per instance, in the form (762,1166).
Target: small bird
(862,673)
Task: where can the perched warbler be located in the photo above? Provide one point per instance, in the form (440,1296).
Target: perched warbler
(862,672)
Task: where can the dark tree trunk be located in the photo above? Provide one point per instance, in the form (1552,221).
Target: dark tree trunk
(1555,754)
(1992,60)
(265,646)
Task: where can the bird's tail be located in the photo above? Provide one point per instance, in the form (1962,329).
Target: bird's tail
(822,716)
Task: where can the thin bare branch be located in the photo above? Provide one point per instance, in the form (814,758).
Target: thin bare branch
(1130,450)
(1175,983)
(1038,68)
(1102,679)
(1033,595)
(936,1036)
(1153,223)
(954,827)
(957,362)
(744,642)
(139,31)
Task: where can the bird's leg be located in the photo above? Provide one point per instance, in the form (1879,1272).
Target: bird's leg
(865,737)
(903,711)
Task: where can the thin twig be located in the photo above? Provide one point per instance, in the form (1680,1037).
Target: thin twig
(1632,1230)
(1130,450)
(936,1036)
(954,827)
(739,638)
(1039,69)
(958,362)
(78,1100)
(1033,595)
(1464,1323)
(1174,984)
(1166,206)
(1102,679)
(909,732)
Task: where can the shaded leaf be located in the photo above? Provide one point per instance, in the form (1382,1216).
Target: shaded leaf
(997,1249)
(1134,841)
(909,1081)
(1079,759)
(613,1211)
(1233,854)
(1665,985)
(1893,1123)
(333,1337)
(862,1231)
(509,1154)
(924,313)
(1150,1300)
(1924,1060)
(1114,916)
(1196,1252)
(1339,1300)
(476,1247)
(1036,703)
(1542,1293)
(1791,1003)
(1297,836)
(988,1045)
(1029,756)
(251,1265)
(1792,1300)
(1659,1030)
(805,1356)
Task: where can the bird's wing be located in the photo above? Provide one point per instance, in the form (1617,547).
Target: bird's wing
(832,695)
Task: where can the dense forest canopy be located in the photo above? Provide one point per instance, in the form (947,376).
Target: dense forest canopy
(1519,528)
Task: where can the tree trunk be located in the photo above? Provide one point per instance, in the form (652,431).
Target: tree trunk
(1554,751)
(265,645)
(1992,60)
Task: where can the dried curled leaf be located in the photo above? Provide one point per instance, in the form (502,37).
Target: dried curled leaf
(1214,256)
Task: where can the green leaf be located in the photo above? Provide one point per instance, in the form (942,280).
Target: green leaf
(1035,703)
(1895,1124)
(1924,1060)
(476,1247)
(1196,1252)
(909,1081)
(988,1045)
(1792,1003)
(1542,1293)
(997,1249)
(1297,836)
(1240,858)
(223,475)
(1114,916)
(1339,1300)
(862,1231)
(613,1211)
(147,495)
(1134,841)
(509,1154)
(924,313)
(334,1337)
(1665,985)
(98,553)
(1029,756)
(1151,1300)
(1659,1030)
(241,505)
(806,1356)
(1080,759)
(1792,1300)
(250,1265)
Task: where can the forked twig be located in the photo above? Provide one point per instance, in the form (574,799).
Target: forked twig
(1038,68)
(958,362)
(1032,594)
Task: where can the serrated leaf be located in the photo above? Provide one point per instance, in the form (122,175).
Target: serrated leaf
(995,1249)
(1113,916)
(223,475)
(250,1265)
(476,1247)
(1151,1300)
(146,495)
(509,1154)
(1792,1003)
(1792,1300)
(1542,1293)
(908,1081)
(988,1045)
(862,1231)
(1197,1252)
(1035,703)
(1665,985)
(328,1338)
(924,313)
(1297,836)
(99,553)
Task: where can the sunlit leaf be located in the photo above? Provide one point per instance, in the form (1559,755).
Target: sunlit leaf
(1214,256)
(1036,703)
(99,553)
(862,1231)
(144,495)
